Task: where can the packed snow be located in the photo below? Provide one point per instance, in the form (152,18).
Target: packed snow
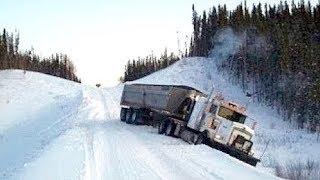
(52,128)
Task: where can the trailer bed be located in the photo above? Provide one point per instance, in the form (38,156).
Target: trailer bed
(165,98)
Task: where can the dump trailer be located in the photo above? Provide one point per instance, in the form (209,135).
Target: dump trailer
(187,113)
(140,100)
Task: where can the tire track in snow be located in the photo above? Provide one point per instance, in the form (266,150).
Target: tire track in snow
(92,148)
(90,167)
(178,161)
(128,158)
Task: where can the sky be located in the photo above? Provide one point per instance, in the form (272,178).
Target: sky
(100,36)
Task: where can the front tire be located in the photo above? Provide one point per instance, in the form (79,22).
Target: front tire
(201,139)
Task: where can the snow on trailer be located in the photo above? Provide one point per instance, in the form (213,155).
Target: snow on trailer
(185,112)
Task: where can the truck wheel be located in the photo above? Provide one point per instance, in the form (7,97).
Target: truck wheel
(140,118)
(123,114)
(174,126)
(201,138)
(128,116)
(170,129)
(135,117)
(162,126)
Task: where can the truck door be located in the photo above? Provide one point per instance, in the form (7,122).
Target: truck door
(224,130)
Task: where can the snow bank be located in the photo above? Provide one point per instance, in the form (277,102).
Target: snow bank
(34,109)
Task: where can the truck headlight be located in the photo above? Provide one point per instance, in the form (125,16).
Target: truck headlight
(218,137)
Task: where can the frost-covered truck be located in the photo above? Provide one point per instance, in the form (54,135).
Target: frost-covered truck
(187,113)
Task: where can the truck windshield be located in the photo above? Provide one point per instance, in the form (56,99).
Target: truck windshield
(231,115)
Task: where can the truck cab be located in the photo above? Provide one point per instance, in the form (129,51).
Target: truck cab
(222,123)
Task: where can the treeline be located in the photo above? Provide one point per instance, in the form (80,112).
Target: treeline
(279,59)
(140,67)
(10,58)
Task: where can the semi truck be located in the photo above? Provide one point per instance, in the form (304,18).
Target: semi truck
(189,114)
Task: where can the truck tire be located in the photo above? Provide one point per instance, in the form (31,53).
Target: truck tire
(170,128)
(128,116)
(123,114)
(201,139)
(162,126)
(135,117)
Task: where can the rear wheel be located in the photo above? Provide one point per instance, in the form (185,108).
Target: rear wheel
(123,113)
(135,117)
(128,116)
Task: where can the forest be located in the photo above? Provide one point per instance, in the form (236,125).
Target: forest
(11,58)
(140,67)
(282,71)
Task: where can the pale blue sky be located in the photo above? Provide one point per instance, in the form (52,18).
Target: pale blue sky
(101,35)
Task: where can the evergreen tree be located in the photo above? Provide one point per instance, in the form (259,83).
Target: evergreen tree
(10,58)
